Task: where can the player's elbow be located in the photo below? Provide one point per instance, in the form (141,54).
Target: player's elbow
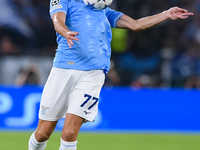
(136,26)
(56,28)
(56,25)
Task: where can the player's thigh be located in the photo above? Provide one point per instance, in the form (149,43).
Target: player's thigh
(71,127)
(44,130)
(54,102)
(85,96)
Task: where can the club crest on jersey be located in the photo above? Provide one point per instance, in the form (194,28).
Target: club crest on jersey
(44,108)
(55,2)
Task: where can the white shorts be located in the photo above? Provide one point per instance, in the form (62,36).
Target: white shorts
(71,91)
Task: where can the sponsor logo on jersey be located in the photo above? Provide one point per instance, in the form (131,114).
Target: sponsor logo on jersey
(70,62)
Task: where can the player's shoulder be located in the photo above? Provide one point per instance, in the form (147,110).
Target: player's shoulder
(75,2)
(57,2)
(58,5)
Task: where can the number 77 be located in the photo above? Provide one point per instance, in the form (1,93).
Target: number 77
(88,98)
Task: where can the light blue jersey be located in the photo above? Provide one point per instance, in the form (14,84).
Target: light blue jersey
(93,50)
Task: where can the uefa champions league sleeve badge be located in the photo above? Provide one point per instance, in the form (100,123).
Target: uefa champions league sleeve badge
(55,2)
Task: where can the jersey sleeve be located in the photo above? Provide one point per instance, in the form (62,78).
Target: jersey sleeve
(58,6)
(113,16)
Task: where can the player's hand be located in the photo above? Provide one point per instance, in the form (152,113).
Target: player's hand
(175,13)
(70,36)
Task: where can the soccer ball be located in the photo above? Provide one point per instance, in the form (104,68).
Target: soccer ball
(98,4)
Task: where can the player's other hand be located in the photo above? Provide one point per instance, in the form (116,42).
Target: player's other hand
(175,13)
(70,36)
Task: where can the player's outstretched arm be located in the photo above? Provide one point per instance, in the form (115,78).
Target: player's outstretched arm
(59,19)
(173,13)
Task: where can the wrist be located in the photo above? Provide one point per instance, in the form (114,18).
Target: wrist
(166,14)
(66,33)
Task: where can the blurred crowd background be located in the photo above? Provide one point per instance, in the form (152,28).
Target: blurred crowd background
(164,56)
